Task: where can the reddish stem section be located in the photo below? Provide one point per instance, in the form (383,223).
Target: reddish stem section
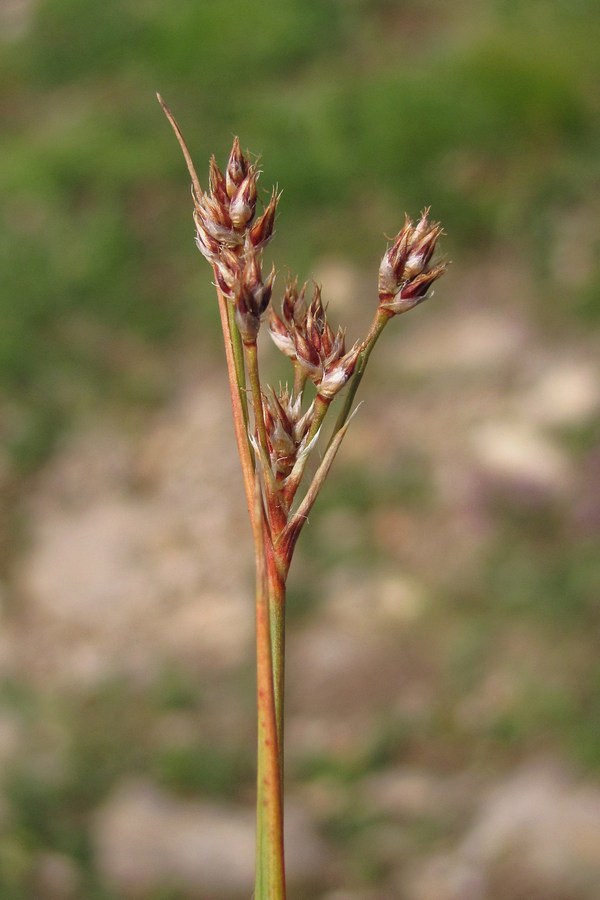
(239,423)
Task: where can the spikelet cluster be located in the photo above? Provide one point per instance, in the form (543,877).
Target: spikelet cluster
(232,239)
(405,273)
(303,333)
(288,431)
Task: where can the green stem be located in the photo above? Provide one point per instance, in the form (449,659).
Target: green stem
(276,588)
(257,400)
(379,322)
(322,405)
(238,359)
(270,865)
(271,668)
(299,378)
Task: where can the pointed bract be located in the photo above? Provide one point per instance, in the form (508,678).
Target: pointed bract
(243,202)
(262,231)
(237,168)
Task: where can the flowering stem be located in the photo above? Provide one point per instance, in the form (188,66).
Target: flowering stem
(270,866)
(270,622)
(380,320)
(274,443)
(238,358)
(257,401)
(270,593)
(276,515)
(236,389)
(276,585)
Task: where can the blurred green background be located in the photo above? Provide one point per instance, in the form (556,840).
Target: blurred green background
(474,474)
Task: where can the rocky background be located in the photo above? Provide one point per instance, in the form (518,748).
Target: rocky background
(443,731)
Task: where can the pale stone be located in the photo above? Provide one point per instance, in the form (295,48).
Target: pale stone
(517,451)
(399,598)
(340,282)
(56,877)
(567,393)
(16,17)
(544,824)
(367,603)
(407,792)
(145,838)
(404,792)
(444,877)
(469,341)
(137,554)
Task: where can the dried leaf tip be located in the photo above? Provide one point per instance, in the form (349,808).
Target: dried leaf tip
(186,153)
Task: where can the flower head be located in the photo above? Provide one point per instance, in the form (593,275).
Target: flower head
(405,273)
(303,333)
(287,430)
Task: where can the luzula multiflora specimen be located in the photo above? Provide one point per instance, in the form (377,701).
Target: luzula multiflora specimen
(278,430)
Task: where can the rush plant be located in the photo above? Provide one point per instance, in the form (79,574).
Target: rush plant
(277,430)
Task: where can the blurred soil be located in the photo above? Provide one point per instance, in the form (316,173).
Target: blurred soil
(428,758)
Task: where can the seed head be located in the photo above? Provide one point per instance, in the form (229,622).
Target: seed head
(287,430)
(304,334)
(237,168)
(213,216)
(227,272)
(337,373)
(243,202)
(224,213)
(292,308)
(252,297)
(405,274)
(206,243)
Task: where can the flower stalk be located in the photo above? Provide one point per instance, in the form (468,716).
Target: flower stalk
(278,431)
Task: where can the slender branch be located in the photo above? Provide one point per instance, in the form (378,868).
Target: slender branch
(277,592)
(257,400)
(233,246)
(322,405)
(285,545)
(277,516)
(380,320)
(237,391)
(238,358)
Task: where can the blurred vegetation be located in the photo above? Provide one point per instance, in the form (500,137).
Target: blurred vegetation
(489,111)
(360,109)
